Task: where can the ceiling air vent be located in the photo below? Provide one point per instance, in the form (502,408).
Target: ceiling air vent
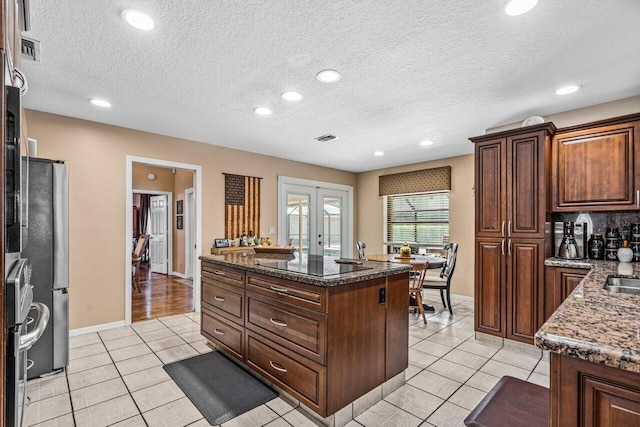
(326,138)
(31,49)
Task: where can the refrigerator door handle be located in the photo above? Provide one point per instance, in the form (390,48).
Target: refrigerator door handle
(29,339)
(60,226)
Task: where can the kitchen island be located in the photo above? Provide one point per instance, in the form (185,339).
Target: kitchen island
(324,332)
(594,340)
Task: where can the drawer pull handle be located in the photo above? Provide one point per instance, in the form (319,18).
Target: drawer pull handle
(283,290)
(277,368)
(217,298)
(218,331)
(219,273)
(275,322)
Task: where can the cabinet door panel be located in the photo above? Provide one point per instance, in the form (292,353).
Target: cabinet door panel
(490,178)
(568,282)
(525,275)
(489,278)
(527,193)
(595,168)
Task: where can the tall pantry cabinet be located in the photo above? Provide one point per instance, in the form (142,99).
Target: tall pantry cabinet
(512,200)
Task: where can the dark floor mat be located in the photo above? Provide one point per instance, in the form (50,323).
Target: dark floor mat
(220,389)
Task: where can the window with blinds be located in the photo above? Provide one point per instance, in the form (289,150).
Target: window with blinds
(419,218)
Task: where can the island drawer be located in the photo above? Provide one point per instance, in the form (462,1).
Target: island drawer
(223,299)
(224,274)
(313,297)
(223,333)
(298,375)
(298,329)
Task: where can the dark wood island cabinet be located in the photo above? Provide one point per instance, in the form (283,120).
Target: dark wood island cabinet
(326,341)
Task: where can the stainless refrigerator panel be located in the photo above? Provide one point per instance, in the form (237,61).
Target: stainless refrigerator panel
(60,328)
(60,226)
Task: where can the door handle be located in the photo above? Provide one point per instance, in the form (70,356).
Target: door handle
(219,273)
(217,298)
(218,331)
(502,246)
(509,246)
(502,229)
(509,229)
(638,199)
(283,290)
(29,339)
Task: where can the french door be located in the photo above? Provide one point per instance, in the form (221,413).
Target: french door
(315,220)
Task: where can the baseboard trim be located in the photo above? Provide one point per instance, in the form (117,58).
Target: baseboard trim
(96,328)
(180,275)
(437,293)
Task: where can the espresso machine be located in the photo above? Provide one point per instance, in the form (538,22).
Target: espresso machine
(570,240)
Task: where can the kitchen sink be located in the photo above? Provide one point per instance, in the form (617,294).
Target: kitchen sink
(625,285)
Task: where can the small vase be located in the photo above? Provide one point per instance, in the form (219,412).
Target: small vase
(405,251)
(625,254)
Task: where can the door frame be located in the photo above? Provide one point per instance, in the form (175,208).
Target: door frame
(169,223)
(189,252)
(282,218)
(197,186)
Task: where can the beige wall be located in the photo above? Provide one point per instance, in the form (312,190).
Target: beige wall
(370,219)
(594,113)
(96,154)
(164,180)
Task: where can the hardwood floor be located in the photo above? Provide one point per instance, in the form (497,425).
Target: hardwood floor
(162,295)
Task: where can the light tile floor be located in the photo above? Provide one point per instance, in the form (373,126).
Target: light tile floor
(116,378)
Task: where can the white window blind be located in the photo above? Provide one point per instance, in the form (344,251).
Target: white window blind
(419,218)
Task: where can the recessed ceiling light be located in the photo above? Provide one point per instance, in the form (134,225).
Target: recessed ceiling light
(328,76)
(378,153)
(291,95)
(138,19)
(567,89)
(426,142)
(100,102)
(262,111)
(518,7)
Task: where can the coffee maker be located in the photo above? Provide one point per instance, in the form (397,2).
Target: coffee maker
(570,240)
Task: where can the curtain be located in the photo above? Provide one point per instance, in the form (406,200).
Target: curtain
(143,212)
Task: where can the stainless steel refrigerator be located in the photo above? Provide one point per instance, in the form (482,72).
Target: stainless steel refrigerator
(46,245)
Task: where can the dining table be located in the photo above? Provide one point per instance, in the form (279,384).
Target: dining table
(434,262)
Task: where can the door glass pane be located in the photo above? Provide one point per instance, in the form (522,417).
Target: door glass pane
(332,226)
(298,223)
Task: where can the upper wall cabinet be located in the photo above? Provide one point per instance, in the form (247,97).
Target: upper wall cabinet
(511,182)
(596,166)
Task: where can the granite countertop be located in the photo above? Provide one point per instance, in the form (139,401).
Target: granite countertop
(252,262)
(595,324)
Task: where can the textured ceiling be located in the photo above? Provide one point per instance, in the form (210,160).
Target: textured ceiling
(411,70)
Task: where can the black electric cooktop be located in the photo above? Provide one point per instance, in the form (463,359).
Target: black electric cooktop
(314,266)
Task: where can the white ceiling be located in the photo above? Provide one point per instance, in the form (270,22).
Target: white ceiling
(411,70)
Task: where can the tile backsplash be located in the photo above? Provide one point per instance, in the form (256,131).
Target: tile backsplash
(601,220)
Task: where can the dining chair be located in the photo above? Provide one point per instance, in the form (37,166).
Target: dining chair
(136,258)
(443,282)
(361,246)
(419,270)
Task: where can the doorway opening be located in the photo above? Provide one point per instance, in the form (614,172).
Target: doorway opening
(163,203)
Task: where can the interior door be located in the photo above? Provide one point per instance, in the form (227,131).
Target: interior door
(332,224)
(190,235)
(300,219)
(158,234)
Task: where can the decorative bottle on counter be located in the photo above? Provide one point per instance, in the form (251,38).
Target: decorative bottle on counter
(596,246)
(625,254)
(405,250)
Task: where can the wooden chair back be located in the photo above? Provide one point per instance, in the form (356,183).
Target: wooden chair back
(137,252)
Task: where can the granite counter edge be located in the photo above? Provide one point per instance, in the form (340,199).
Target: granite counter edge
(343,279)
